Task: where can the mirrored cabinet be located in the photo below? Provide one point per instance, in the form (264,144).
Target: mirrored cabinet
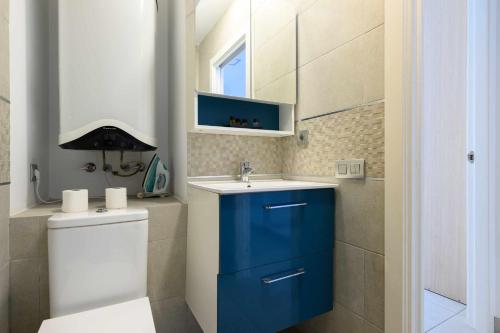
(245,67)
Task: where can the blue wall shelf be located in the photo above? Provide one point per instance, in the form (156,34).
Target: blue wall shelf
(212,113)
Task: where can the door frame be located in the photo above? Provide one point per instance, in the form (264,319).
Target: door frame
(403,234)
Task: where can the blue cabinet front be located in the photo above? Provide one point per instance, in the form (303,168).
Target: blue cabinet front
(262,228)
(273,297)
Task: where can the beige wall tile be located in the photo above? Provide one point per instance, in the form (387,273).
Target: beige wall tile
(349,277)
(357,133)
(25,239)
(43,234)
(282,90)
(168,223)
(330,83)
(215,155)
(4,298)
(276,57)
(359,214)
(4,224)
(374,289)
(25,299)
(372,65)
(4,58)
(327,24)
(339,320)
(302,5)
(370,328)
(167,268)
(44,291)
(343,78)
(4,141)
(4,9)
(173,316)
(269,18)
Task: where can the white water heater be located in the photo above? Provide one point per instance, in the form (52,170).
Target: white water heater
(107,74)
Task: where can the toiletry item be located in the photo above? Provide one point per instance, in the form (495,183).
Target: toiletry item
(116,197)
(75,201)
(237,122)
(231,121)
(256,124)
(244,123)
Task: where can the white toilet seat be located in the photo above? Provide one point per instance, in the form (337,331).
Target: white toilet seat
(129,317)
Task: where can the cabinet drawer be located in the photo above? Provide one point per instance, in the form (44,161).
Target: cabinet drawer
(273,297)
(262,228)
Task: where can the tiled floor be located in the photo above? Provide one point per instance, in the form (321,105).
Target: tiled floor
(438,310)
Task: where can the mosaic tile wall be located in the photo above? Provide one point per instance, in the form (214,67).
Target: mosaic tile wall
(357,133)
(219,155)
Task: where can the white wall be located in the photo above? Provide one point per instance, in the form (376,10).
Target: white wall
(179,100)
(29,99)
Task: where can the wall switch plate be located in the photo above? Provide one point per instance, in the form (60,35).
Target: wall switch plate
(354,169)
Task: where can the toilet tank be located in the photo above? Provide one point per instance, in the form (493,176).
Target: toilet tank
(96,259)
(107,74)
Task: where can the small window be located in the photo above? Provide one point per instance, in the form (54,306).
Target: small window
(233,73)
(229,70)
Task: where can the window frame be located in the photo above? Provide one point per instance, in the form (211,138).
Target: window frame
(221,57)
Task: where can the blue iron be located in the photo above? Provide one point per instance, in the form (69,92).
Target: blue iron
(156,180)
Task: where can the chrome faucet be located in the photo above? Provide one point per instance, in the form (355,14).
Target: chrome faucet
(245,172)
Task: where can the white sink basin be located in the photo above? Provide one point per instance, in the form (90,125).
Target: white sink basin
(232,187)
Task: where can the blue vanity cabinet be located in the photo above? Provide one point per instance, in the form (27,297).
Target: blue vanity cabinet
(275,259)
(262,228)
(273,297)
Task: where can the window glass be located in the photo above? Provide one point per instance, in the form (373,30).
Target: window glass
(233,73)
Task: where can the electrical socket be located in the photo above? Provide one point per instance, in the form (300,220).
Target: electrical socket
(33,167)
(303,138)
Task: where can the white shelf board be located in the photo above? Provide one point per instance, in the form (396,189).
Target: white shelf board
(239,131)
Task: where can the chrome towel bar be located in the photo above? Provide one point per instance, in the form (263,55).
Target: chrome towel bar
(286,206)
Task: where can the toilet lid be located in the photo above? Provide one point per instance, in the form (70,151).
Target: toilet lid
(129,317)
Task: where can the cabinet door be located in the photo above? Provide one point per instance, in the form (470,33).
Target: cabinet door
(273,297)
(263,228)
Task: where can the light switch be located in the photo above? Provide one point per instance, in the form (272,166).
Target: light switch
(342,169)
(350,169)
(355,169)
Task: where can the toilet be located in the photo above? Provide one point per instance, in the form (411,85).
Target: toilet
(98,272)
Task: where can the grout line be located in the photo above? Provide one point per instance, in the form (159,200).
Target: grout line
(379,101)
(339,46)
(359,247)
(267,84)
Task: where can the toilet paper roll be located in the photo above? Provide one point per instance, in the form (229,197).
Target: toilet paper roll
(75,201)
(116,198)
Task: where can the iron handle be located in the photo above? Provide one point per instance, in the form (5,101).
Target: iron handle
(299,272)
(300,204)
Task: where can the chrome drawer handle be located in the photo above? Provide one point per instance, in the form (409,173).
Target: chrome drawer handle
(299,272)
(286,206)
